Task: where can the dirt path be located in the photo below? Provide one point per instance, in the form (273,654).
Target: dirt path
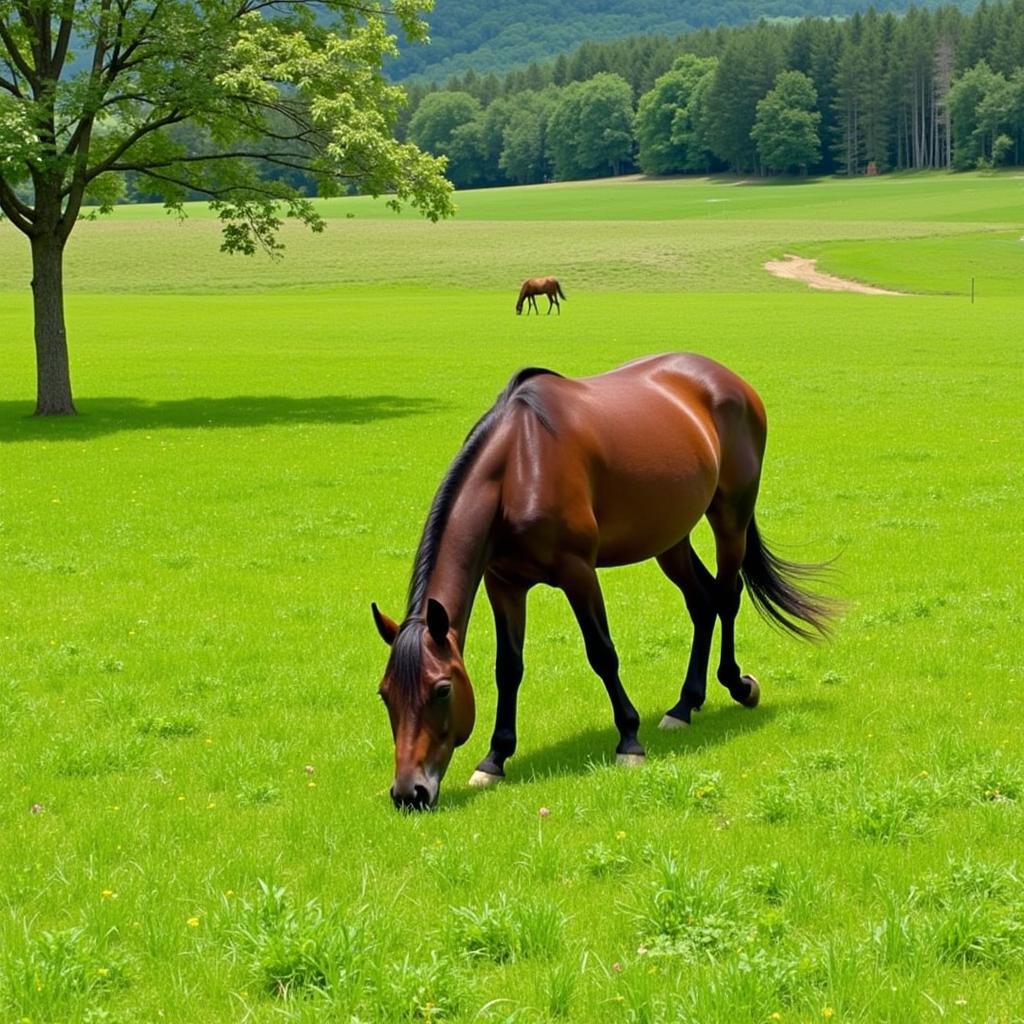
(797,268)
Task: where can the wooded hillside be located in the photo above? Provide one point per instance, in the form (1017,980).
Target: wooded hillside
(486,36)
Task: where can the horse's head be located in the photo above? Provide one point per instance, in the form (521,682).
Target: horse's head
(429,701)
(519,308)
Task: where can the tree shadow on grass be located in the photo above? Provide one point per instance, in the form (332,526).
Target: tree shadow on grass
(575,755)
(99,417)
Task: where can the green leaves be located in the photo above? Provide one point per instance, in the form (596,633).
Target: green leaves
(786,127)
(252,111)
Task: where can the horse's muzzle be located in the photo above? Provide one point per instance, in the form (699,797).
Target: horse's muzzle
(413,796)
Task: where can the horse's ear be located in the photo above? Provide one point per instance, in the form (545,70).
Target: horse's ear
(437,621)
(387,628)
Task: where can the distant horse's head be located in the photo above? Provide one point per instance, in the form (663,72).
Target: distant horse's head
(519,306)
(429,701)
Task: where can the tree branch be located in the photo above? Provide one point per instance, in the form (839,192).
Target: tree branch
(14,209)
(11,87)
(209,190)
(60,51)
(17,57)
(278,159)
(175,117)
(122,61)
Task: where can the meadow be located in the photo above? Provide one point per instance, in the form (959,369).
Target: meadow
(194,821)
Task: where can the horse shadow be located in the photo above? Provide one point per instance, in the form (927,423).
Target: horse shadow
(102,416)
(579,754)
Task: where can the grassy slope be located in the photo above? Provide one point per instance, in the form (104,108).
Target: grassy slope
(661,236)
(187,573)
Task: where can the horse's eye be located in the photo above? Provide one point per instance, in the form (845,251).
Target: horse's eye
(442,691)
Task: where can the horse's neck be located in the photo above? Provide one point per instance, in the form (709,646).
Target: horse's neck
(464,549)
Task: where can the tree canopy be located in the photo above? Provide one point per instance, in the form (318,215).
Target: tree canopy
(669,118)
(786,127)
(591,127)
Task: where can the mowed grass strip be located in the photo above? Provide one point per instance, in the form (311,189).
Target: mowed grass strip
(196,826)
(991,263)
(665,236)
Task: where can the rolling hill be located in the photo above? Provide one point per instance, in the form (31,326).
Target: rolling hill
(484,36)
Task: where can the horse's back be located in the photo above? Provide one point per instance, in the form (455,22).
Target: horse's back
(634,454)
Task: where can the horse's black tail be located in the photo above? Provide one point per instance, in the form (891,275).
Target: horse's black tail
(774,585)
(558,285)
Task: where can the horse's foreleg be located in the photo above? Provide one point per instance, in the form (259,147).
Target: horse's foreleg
(509,607)
(579,581)
(682,566)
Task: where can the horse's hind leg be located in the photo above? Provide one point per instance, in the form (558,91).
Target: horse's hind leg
(729,518)
(682,566)
(509,606)
(579,581)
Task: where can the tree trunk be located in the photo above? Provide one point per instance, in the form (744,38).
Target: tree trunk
(53,372)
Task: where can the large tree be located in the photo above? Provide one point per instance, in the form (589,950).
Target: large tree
(590,131)
(786,127)
(668,119)
(93,90)
(746,71)
(449,123)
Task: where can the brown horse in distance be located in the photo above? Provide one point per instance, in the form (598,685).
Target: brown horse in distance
(535,286)
(557,479)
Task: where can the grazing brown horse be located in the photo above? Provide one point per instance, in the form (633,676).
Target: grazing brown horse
(535,286)
(560,477)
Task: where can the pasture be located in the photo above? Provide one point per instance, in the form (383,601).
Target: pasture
(194,822)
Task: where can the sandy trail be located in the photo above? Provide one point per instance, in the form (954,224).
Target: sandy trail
(797,268)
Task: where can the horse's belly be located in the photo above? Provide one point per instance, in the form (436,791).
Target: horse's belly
(638,519)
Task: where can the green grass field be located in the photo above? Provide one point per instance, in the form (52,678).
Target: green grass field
(194,825)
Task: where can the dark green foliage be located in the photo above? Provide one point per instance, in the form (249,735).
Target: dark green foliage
(934,88)
(786,128)
(496,37)
(590,131)
(670,119)
(745,72)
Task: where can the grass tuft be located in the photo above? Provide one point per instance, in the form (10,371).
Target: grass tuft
(508,929)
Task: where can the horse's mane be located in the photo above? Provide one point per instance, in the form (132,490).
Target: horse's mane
(407,650)
(516,392)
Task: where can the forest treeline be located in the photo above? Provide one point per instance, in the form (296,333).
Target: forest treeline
(874,92)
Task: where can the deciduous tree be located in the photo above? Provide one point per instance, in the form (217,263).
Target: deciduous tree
(667,119)
(92,90)
(591,128)
(786,128)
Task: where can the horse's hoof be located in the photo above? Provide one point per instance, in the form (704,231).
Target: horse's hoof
(630,760)
(481,780)
(671,722)
(755,692)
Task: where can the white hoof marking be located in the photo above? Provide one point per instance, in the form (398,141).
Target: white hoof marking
(755,693)
(483,779)
(630,760)
(671,722)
